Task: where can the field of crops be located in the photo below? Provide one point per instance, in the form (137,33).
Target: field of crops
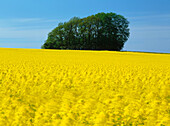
(79,88)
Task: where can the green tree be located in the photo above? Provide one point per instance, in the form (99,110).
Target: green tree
(103,31)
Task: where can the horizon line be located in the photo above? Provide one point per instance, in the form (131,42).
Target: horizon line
(138,51)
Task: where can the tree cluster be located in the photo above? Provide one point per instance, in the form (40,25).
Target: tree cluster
(102,31)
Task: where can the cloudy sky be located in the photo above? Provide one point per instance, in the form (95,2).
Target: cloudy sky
(26,23)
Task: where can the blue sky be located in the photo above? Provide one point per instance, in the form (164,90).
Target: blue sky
(26,23)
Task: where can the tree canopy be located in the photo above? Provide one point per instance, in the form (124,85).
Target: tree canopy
(102,31)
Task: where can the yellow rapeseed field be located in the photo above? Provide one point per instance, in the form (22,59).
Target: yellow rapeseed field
(78,88)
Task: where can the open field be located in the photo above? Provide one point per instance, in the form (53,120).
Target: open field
(78,88)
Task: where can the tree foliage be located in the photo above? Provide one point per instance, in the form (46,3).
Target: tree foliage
(103,31)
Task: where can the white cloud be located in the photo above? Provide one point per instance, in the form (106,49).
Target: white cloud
(33,34)
(149,38)
(26,19)
(149,16)
(27,28)
(150,28)
(31,20)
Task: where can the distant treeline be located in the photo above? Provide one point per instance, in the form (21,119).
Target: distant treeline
(103,31)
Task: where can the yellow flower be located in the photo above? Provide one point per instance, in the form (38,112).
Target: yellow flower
(79,88)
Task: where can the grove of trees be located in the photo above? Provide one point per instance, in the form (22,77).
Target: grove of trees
(102,31)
